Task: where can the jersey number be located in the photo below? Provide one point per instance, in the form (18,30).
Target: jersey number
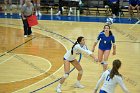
(108,78)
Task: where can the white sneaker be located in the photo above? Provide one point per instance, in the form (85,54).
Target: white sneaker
(78,85)
(114,16)
(39,13)
(5,13)
(11,13)
(25,36)
(59,13)
(36,13)
(58,90)
(106,6)
(63,9)
(69,13)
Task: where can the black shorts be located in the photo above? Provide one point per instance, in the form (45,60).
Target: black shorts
(135,4)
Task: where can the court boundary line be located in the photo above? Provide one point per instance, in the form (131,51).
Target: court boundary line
(7,59)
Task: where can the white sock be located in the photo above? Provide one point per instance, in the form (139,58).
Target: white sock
(78,81)
(70,9)
(59,85)
(63,9)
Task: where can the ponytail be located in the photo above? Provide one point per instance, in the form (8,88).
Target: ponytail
(116,66)
(79,39)
(73,47)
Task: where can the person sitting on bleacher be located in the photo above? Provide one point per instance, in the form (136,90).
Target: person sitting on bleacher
(134,4)
(70,4)
(36,4)
(61,8)
(8,4)
(114,5)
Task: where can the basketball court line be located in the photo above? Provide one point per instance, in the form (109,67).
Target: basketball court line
(137,23)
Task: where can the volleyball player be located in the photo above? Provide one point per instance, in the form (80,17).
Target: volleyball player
(111,78)
(70,58)
(106,39)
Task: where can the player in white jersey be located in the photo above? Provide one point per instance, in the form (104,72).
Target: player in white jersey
(70,57)
(111,78)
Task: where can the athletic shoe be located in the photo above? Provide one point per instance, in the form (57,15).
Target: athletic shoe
(58,90)
(78,85)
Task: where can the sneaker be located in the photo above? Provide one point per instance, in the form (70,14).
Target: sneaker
(39,13)
(78,85)
(19,14)
(25,36)
(114,16)
(36,13)
(59,13)
(58,90)
(11,13)
(63,9)
(5,13)
(106,6)
(69,13)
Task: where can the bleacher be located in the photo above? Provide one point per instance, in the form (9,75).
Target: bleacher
(88,6)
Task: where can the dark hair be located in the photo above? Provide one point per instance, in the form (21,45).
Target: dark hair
(77,42)
(110,33)
(116,66)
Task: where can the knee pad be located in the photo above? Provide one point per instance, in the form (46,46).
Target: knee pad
(80,72)
(104,63)
(66,75)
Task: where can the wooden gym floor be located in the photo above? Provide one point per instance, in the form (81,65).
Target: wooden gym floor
(27,64)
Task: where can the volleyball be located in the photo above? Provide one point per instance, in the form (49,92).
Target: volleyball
(109,21)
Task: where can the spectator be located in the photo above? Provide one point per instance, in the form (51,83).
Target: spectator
(134,4)
(8,4)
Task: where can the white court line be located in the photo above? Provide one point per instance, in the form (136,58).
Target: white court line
(7,59)
(137,23)
(48,76)
(50,65)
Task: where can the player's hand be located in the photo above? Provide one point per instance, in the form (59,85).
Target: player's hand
(24,18)
(95,59)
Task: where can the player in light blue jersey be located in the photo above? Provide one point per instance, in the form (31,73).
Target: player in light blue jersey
(106,39)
